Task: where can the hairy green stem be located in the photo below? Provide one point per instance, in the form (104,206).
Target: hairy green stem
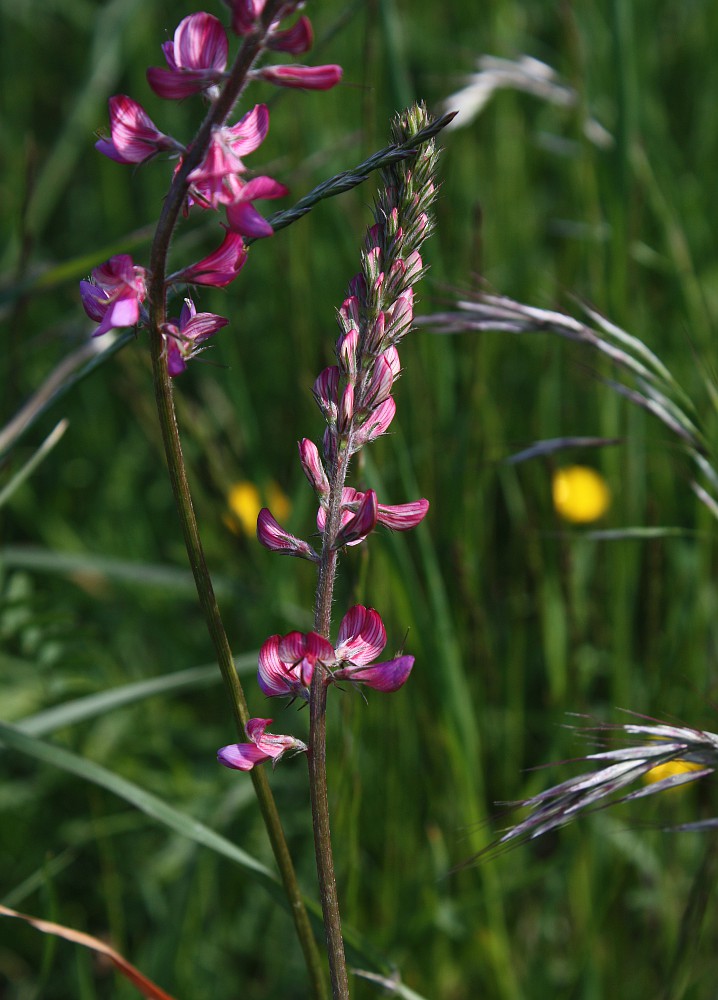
(318,742)
(248,53)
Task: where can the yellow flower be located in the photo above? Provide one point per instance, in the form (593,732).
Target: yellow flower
(245,502)
(580,494)
(668,770)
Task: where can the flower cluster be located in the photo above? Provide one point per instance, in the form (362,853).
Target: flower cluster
(197,59)
(354,396)
(288,663)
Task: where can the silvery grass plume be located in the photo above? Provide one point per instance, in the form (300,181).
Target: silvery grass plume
(526,74)
(650,385)
(650,745)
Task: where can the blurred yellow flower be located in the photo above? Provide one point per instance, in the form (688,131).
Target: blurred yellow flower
(245,502)
(580,494)
(668,770)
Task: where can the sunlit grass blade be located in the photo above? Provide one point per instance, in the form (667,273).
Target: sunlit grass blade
(79,709)
(32,463)
(182,824)
(553,445)
(170,579)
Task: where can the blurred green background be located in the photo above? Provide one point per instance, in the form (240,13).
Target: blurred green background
(516,618)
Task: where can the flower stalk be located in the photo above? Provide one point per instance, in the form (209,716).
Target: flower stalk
(218,113)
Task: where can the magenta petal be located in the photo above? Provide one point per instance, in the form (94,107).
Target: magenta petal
(296,646)
(403,516)
(200,42)
(176,364)
(302,77)
(263,187)
(274,537)
(220,267)
(313,468)
(202,326)
(250,131)
(360,524)
(375,424)
(174,85)
(244,218)
(362,636)
(273,674)
(297,39)
(241,756)
(125,312)
(135,137)
(386,677)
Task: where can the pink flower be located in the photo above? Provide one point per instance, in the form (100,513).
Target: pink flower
(274,537)
(297,39)
(360,522)
(400,517)
(242,216)
(215,181)
(286,663)
(135,137)
(300,77)
(183,336)
(263,746)
(245,14)
(313,468)
(113,297)
(245,19)
(219,268)
(196,58)
(362,637)
(374,424)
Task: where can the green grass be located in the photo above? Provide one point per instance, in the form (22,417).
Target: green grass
(514,619)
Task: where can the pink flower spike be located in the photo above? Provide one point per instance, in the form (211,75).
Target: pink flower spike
(359,524)
(196,58)
(300,77)
(297,39)
(362,636)
(263,746)
(273,536)
(313,468)
(385,677)
(135,137)
(114,294)
(219,268)
(402,516)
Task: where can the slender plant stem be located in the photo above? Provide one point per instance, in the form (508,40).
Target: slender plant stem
(318,743)
(180,484)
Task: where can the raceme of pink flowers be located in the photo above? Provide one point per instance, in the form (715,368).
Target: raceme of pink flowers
(197,61)
(287,664)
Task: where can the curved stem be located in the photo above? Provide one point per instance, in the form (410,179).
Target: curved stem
(251,48)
